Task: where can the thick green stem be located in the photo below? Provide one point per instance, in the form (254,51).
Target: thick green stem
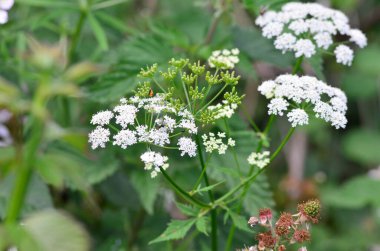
(24,172)
(182,192)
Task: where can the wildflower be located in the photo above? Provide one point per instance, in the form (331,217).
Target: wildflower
(214,142)
(265,215)
(154,161)
(295,22)
(302,249)
(253,221)
(344,55)
(301,235)
(291,94)
(125,138)
(102,118)
(284,224)
(225,59)
(187,146)
(5,6)
(259,159)
(266,240)
(99,137)
(310,211)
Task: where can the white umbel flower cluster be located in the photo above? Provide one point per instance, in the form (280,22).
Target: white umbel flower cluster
(214,142)
(223,110)
(224,59)
(300,96)
(162,124)
(154,161)
(5,6)
(303,28)
(259,159)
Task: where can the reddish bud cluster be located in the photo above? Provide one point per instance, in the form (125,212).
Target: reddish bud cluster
(288,229)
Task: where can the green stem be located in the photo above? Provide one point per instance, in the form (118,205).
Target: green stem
(253,176)
(297,66)
(182,192)
(77,32)
(213,99)
(232,149)
(214,224)
(186,93)
(23,173)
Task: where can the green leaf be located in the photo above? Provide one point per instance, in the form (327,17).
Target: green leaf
(176,229)
(362,146)
(201,225)
(208,188)
(49,3)
(98,32)
(146,188)
(37,197)
(355,193)
(188,210)
(54,230)
(239,221)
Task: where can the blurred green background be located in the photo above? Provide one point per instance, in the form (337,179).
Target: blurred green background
(92,52)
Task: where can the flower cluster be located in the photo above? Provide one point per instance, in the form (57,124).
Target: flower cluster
(224,59)
(259,159)
(5,6)
(303,28)
(162,122)
(300,96)
(214,142)
(288,229)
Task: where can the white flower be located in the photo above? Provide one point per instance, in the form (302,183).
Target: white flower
(226,59)
(277,106)
(358,37)
(298,117)
(159,137)
(6,4)
(304,47)
(214,142)
(102,118)
(323,40)
(267,88)
(125,138)
(302,249)
(326,102)
(99,137)
(189,124)
(298,26)
(223,111)
(272,29)
(3,17)
(259,159)
(285,42)
(126,115)
(154,161)
(187,146)
(344,55)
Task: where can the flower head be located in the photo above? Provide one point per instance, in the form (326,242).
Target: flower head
(5,6)
(224,59)
(298,97)
(303,28)
(259,159)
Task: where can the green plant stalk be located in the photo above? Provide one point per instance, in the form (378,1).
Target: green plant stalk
(245,190)
(24,171)
(213,99)
(232,149)
(214,224)
(253,176)
(182,192)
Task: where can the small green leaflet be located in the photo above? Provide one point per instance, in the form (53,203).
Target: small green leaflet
(201,225)
(239,221)
(177,229)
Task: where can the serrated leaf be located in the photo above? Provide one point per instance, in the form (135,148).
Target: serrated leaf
(98,31)
(176,229)
(53,230)
(316,63)
(146,188)
(201,225)
(188,210)
(239,221)
(208,188)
